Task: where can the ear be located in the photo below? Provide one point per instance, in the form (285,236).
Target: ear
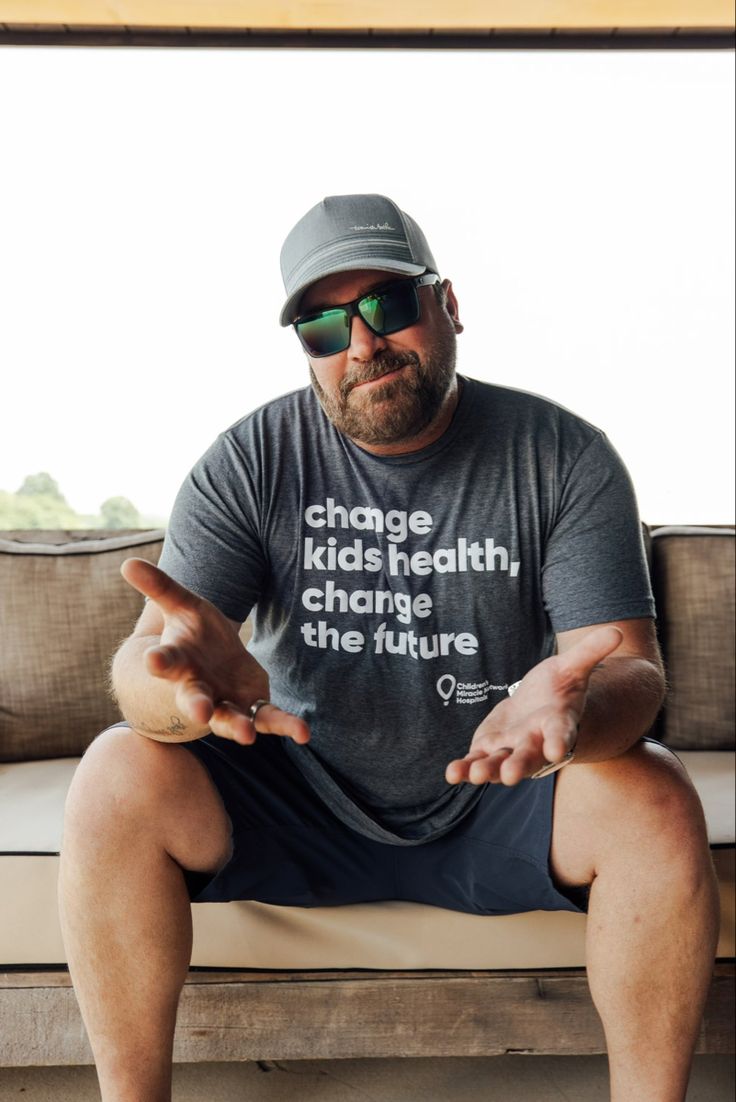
(451,305)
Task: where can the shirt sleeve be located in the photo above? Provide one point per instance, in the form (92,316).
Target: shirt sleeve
(213,543)
(595,568)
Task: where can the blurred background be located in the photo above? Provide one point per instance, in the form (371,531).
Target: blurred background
(581,202)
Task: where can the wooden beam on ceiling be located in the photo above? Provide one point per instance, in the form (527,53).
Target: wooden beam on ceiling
(372,24)
(377,15)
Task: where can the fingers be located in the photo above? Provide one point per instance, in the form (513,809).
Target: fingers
(457,770)
(560,732)
(580,660)
(229,721)
(154,583)
(477,767)
(557,733)
(166,661)
(271,720)
(522,763)
(552,737)
(195,698)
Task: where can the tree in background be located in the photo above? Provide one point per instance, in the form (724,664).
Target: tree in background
(34,511)
(118,512)
(42,484)
(39,503)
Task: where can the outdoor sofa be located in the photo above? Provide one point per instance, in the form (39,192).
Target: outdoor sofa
(377,979)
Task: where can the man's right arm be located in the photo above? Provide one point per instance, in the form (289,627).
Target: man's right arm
(147,702)
(185,672)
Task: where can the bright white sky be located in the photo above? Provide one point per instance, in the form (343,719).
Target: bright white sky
(582,204)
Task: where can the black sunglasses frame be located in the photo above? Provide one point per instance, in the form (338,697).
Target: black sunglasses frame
(352,310)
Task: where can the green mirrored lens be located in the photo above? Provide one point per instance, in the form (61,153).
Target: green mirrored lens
(371,310)
(327,333)
(388,311)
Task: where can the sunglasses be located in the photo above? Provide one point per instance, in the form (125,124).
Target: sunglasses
(384,310)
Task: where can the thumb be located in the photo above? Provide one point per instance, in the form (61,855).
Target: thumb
(152,582)
(581,659)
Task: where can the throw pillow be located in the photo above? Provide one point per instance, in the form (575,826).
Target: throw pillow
(693,575)
(64,609)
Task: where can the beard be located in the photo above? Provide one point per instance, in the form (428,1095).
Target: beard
(396,411)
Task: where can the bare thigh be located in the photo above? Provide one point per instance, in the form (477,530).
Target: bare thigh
(137,790)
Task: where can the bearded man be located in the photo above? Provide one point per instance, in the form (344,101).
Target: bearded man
(450,604)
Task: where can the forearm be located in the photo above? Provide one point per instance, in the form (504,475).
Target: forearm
(623,698)
(149,703)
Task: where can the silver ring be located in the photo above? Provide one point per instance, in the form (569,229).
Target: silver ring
(553,766)
(253,710)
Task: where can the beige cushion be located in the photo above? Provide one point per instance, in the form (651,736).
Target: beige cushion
(64,609)
(390,935)
(693,575)
(714,773)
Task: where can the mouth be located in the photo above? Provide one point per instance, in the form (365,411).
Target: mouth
(369,383)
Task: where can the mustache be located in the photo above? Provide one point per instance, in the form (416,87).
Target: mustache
(374,369)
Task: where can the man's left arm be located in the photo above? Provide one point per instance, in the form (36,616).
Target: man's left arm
(624,694)
(598,695)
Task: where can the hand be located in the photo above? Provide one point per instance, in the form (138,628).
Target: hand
(216,679)
(539,723)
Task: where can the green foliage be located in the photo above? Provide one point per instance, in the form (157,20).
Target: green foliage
(118,512)
(35,511)
(39,503)
(41,485)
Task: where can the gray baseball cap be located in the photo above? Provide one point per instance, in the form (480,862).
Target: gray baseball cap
(348,232)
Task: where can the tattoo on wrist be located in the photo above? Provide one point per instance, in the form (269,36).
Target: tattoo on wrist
(176,727)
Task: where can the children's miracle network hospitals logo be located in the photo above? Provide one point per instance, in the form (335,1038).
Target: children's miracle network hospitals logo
(465,692)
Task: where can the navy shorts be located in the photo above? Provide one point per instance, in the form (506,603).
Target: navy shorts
(290,849)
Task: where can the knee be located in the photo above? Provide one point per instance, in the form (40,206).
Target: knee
(121,772)
(130,792)
(644,802)
(659,785)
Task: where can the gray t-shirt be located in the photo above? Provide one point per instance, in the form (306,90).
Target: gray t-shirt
(397,598)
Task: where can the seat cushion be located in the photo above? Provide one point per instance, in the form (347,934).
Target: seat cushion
(712,773)
(389,935)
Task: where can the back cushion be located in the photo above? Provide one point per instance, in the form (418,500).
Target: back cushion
(693,576)
(64,609)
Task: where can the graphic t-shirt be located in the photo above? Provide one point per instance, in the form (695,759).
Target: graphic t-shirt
(396,598)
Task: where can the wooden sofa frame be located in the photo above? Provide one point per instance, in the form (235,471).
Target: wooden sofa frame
(290,1015)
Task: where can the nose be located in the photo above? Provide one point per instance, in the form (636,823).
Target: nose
(364,343)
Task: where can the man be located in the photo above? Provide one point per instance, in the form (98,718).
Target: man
(416,547)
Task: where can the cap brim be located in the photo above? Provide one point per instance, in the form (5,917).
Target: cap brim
(289,311)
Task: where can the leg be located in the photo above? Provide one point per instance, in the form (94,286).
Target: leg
(634,829)
(137,812)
